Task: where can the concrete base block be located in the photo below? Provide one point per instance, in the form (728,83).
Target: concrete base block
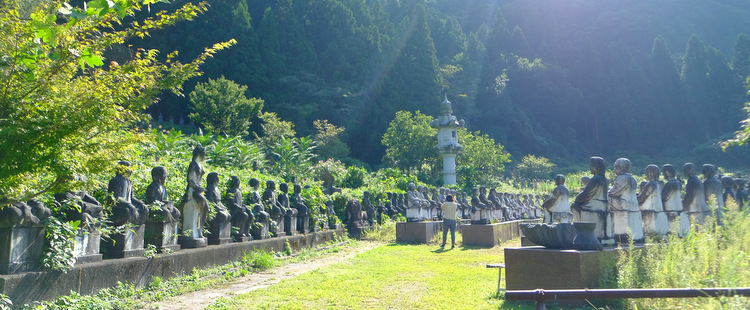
(125,245)
(416,232)
(493,234)
(21,248)
(530,268)
(191,243)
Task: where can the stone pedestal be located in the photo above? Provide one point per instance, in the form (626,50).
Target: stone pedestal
(220,232)
(260,232)
(87,244)
(530,268)
(243,239)
(127,244)
(303,224)
(290,225)
(414,214)
(492,234)
(20,248)
(416,232)
(191,243)
(163,235)
(355,232)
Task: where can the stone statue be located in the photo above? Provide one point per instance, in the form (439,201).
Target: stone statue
(655,221)
(290,219)
(672,202)
(220,225)
(126,208)
(712,187)
(415,206)
(241,215)
(277,210)
(369,209)
(328,180)
(157,191)
(353,214)
(694,202)
(261,217)
(728,184)
(80,207)
(194,204)
(23,214)
(478,209)
(740,193)
(489,206)
(557,207)
(303,212)
(591,204)
(623,203)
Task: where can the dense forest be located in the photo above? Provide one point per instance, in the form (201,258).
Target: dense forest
(651,80)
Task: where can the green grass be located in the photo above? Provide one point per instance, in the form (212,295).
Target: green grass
(394,276)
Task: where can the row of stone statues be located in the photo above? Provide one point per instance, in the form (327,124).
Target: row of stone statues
(629,210)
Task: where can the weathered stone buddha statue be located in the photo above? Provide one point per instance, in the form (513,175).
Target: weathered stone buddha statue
(81,207)
(478,209)
(557,207)
(623,203)
(591,204)
(728,184)
(416,207)
(303,211)
(740,193)
(694,202)
(290,218)
(126,208)
(194,204)
(220,225)
(277,210)
(655,221)
(713,188)
(157,192)
(369,209)
(260,216)
(679,222)
(241,215)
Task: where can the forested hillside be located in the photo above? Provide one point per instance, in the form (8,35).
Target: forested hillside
(650,80)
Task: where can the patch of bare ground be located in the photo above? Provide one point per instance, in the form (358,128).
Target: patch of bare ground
(261,279)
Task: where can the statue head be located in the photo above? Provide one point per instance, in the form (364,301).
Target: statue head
(270,185)
(212,178)
(254,183)
(483,190)
(123,169)
(199,153)
(234,182)
(284,187)
(475,191)
(411,186)
(366,194)
(585,180)
(669,171)
(159,175)
(597,165)
(559,180)
(622,166)
(727,182)
(708,170)
(689,170)
(652,172)
(739,184)
(297,188)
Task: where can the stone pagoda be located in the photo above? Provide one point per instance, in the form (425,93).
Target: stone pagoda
(447,126)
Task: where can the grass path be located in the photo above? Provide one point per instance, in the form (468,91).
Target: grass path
(391,276)
(260,280)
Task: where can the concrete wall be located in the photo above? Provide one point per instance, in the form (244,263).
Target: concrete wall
(90,278)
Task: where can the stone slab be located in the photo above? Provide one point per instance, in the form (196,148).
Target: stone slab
(493,234)
(21,248)
(416,232)
(536,267)
(89,278)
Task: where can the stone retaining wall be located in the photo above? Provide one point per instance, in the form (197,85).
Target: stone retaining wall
(89,278)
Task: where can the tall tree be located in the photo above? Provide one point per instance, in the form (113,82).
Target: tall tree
(410,141)
(221,106)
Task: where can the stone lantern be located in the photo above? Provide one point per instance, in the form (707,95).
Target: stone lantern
(447,126)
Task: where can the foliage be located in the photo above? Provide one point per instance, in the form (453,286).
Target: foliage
(328,140)
(292,157)
(533,167)
(61,105)
(354,178)
(5,302)
(220,105)
(60,241)
(274,130)
(329,166)
(410,141)
(482,159)
(712,256)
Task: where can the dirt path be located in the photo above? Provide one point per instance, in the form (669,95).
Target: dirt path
(259,280)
